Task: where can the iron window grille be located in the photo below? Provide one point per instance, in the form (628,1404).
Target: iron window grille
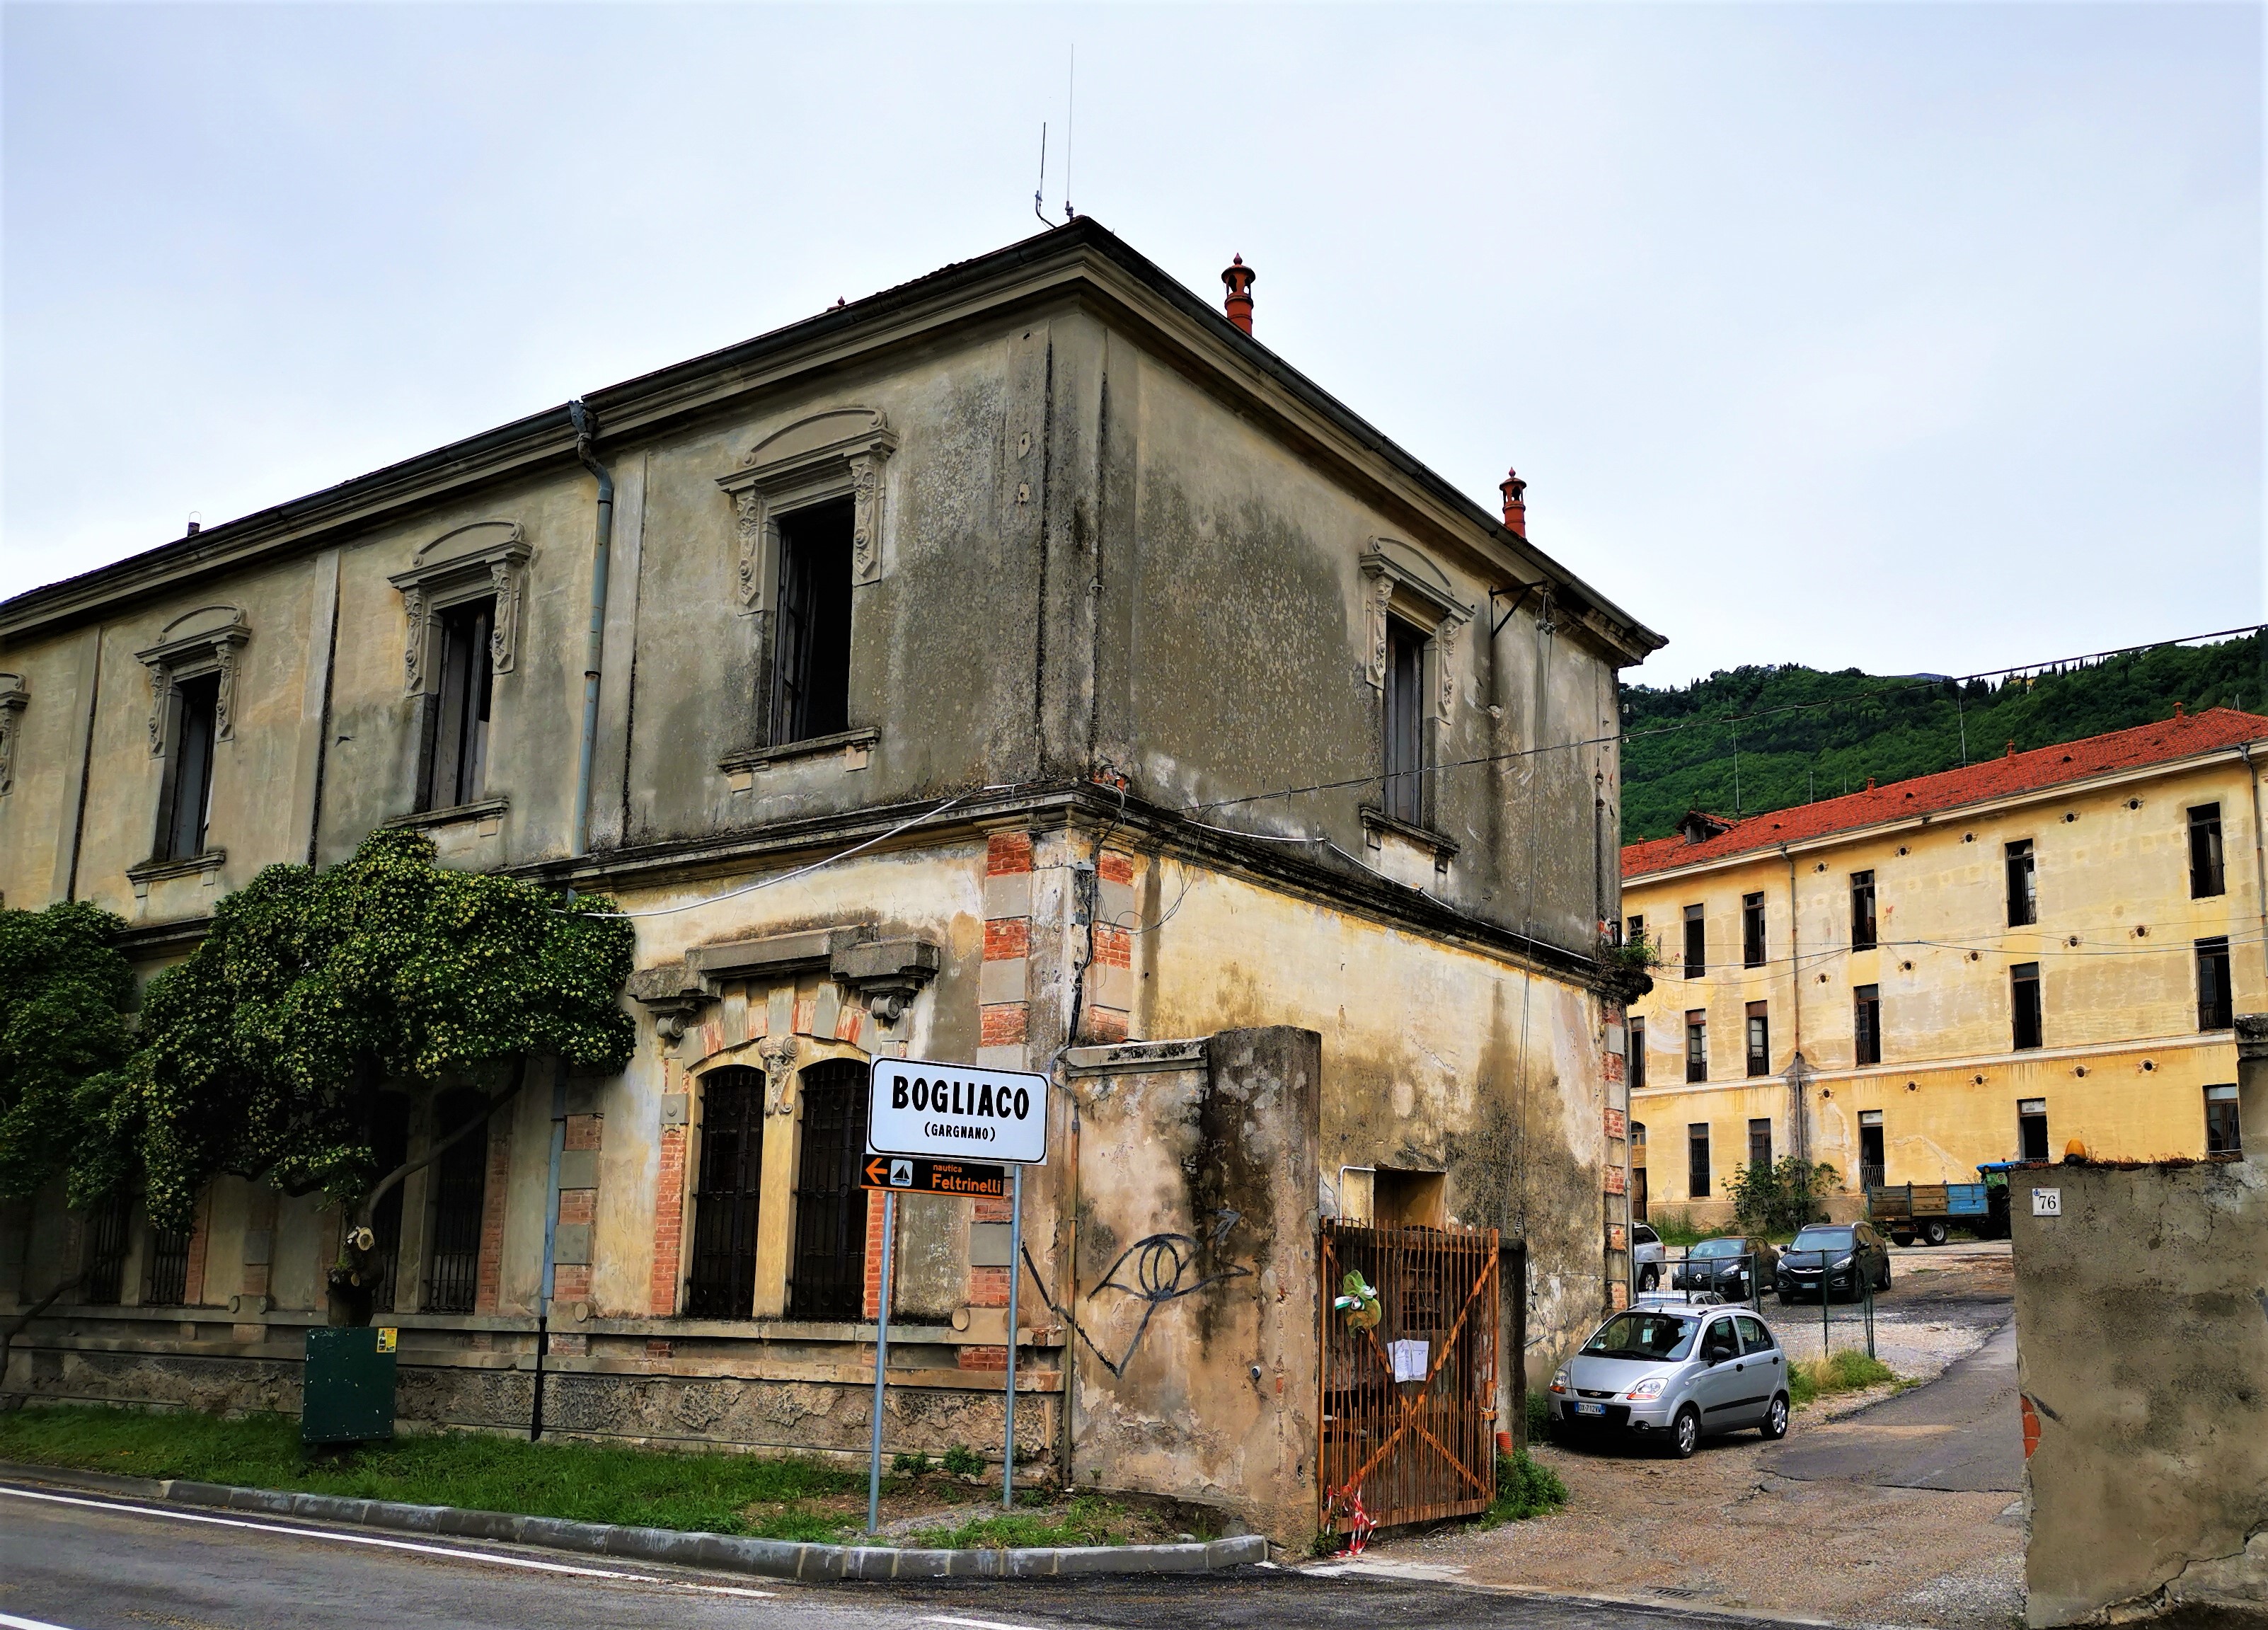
(389,1141)
(829,1277)
(722,1280)
(168,1283)
(1873,1166)
(461,1183)
(109,1229)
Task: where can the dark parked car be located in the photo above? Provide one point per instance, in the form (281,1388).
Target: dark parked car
(1737,1267)
(1834,1259)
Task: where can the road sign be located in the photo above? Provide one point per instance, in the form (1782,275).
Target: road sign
(911,1176)
(953,1111)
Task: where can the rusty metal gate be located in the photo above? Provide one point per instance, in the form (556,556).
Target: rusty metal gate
(1408,1416)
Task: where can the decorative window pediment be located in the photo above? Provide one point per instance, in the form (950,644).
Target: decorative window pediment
(194,644)
(827,455)
(482,558)
(1397,579)
(13,698)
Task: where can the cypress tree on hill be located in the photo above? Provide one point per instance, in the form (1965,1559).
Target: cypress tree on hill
(1803,734)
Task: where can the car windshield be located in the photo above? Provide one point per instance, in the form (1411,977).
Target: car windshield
(1643,1335)
(1733,1247)
(1823,1239)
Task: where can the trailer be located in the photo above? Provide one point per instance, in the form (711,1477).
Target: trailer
(1924,1211)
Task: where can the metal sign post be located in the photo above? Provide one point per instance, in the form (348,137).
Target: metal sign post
(925,1121)
(1015,1278)
(881,1362)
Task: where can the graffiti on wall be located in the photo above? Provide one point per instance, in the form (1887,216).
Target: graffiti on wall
(1153,1272)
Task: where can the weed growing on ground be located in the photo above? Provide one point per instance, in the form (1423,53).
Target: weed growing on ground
(1091,1521)
(912,1465)
(1523,1489)
(1847,1371)
(962,1461)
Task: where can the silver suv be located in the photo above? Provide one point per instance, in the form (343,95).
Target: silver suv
(1669,1375)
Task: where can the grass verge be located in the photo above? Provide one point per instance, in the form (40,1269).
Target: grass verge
(1091,1521)
(1847,1371)
(768,1498)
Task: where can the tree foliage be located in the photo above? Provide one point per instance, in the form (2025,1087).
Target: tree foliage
(263,1054)
(1782,1196)
(62,992)
(1802,734)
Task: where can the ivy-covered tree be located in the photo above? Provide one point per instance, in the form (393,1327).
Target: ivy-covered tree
(64,991)
(264,1054)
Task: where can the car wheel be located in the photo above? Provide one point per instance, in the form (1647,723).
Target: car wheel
(1685,1433)
(1648,1279)
(1933,1232)
(1775,1426)
(1903,1239)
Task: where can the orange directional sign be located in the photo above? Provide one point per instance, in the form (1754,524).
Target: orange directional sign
(909,1175)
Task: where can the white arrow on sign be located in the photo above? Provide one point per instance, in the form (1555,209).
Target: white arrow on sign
(956,1111)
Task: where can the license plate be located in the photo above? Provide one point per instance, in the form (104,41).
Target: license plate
(1590,1409)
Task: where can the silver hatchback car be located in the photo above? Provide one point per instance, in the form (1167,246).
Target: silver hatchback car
(1671,1375)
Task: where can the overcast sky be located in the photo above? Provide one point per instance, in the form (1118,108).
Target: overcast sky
(1918,337)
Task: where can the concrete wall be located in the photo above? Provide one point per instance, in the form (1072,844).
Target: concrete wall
(1196,1300)
(2141,1350)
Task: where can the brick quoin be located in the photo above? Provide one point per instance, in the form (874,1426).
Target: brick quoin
(986,1209)
(1614,1066)
(1115,867)
(488,1279)
(982,1358)
(988,1287)
(578,1205)
(1003,1024)
(583,1131)
(1006,938)
(870,1302)
(570,1281)
(1007,851)
(1102,1024)
(669,1225)
(1114,947)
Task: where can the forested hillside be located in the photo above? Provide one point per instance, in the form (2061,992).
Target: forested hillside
(1802,734)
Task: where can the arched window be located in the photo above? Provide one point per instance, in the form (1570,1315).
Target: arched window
(459,1189)
(829,1270)
(722,1280)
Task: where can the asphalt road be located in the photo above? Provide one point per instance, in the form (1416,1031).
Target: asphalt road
(1963,1431)
(77,1562)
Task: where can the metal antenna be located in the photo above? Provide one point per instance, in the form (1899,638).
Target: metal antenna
(1037,192)
(1070,125)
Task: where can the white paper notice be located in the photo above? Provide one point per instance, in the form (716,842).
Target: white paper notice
(1409,1359)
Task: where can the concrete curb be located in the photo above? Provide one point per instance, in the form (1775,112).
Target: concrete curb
(772,1558)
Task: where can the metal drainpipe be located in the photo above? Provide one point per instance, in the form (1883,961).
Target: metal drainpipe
(550,1242)
(586,431)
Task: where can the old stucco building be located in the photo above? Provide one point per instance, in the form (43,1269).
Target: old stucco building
(1986,964)
(1017,663)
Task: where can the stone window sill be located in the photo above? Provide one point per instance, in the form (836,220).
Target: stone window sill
(154,871)
(854,746)
(488,809)
(1377,820)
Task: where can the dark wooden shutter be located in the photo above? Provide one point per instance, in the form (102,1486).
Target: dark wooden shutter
(829,1271)
(722,1282)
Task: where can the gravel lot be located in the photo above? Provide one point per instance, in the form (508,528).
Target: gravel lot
(1720,1530)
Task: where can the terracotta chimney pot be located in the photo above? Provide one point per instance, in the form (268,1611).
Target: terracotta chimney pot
(1237,303)
(1515,502)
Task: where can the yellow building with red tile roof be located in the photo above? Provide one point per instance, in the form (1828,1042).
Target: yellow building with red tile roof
(1990,963)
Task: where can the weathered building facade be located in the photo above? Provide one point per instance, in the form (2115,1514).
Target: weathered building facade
(1982,965)
(1019,663)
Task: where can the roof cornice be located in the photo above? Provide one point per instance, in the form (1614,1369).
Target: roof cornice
(1080,262)
(1842,835)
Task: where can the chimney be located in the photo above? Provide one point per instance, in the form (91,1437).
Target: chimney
(1238,302)
(1515,503)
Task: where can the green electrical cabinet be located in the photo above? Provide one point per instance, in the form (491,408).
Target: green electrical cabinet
(348,1395)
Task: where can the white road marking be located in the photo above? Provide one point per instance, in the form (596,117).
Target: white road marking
(978,1623)
(13,1623)
(369,1539)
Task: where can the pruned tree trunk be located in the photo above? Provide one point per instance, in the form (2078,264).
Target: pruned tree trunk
(17,1322)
